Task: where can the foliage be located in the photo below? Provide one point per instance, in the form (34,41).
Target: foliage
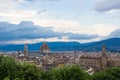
(69,73)
(108,74)
(8,67)
(6,78)
(30,72)
(12,70)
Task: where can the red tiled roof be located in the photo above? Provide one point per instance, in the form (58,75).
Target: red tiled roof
(44,47)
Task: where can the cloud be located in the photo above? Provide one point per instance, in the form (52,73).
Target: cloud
(19,13)
(42,11)
(6,5)
(82,36)
(24,1)
(115,33)
(34,0)
(103,29)
(50,0)
(27,30)
(14,10)
(107,5)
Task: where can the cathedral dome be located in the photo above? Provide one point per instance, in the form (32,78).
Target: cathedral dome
(44,48)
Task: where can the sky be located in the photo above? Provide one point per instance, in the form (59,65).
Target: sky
(32,21)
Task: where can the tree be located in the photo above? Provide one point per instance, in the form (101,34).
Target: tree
(8,67)
(30,72)
(46,76)
(6,78)
(69,73)
(12,70)
(107,74)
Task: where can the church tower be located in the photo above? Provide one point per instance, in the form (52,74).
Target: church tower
(26,50)
(104,62)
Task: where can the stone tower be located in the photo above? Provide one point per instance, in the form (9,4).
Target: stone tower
(104,62)
(25,50)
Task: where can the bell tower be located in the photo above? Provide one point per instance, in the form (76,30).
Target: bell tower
(26,50)
(104,62)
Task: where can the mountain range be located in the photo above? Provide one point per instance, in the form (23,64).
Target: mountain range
(112,45)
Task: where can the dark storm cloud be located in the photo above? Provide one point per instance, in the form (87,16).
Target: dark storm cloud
(27,30)
(107,5)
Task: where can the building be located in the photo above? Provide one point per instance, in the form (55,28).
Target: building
(104,58)
(25,50)
(97,63)
(91,62)
(44,48)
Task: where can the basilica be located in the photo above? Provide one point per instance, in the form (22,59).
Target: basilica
(44,49)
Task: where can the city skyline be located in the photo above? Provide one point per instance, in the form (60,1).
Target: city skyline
(58,20)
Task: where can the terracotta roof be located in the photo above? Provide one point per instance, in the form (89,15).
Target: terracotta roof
(88,57)
(44,47)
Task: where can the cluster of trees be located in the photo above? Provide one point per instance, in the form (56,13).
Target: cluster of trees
(12,70)
(107,74)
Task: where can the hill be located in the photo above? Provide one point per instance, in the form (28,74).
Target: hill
(111,45)
(54,46)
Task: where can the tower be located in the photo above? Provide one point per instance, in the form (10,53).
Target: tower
(19,52)
(104,62)
(25,50)
(103,51)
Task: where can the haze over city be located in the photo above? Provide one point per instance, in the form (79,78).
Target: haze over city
(33,21)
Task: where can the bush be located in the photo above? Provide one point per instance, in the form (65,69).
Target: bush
(69,73)
(108,74)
